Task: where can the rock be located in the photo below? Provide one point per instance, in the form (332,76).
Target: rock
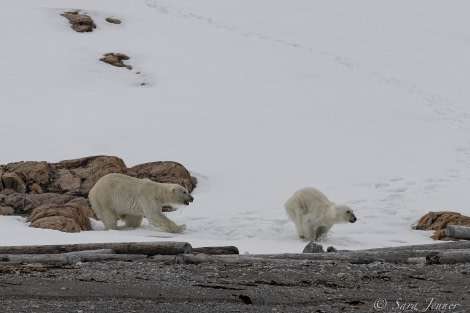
(331,249)
(14,182)
(80,22)
(78,176)
(23,204)
(313,247)
(116,59)
(6,210)
(35,188)
(61,223)
(1,174)
(67,218)
(30,171)
(438,221)
(164,172)
(113,20)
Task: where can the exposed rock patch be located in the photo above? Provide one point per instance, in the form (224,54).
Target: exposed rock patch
(116,59)
(438,221)
(71,218)
(80,22)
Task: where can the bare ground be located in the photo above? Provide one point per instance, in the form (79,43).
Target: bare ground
(313,286)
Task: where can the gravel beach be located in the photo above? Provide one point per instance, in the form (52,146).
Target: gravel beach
(311,286)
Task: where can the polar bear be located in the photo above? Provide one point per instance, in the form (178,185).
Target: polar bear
(118,196)
(313,214)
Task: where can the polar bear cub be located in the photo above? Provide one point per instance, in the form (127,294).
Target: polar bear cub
(313,214)
(118,196)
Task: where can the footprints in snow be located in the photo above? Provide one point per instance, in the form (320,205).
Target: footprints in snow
(440,105)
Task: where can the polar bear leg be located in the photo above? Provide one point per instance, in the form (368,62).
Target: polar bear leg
(132,220)
(320,230)
(308,228)
(109,220)
(160,220)
(296,215)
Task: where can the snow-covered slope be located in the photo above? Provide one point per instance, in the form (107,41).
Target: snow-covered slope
(366,101)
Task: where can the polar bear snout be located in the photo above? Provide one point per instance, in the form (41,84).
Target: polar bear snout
(188,199)
(352,217)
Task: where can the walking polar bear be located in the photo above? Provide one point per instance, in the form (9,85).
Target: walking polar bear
(118,196)
(314,215)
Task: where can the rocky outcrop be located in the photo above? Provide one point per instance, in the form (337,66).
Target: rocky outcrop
(164,172)
(80,22)
(25,186)
(71,218)
(23,204)
(116,59)
(438,221)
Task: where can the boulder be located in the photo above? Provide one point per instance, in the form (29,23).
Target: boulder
(37,172)
(164,172)
(67,218)
(6,210)
(80,22)
(313,247)
(1,174)
(14,182)
(23,204)
(78,176)
(438,221)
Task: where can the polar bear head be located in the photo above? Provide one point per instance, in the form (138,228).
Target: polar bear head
(180,194)
(345,214)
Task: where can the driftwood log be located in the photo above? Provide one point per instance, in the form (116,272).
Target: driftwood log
(70,257)
(144,248)
(459,232)
(181,253)
(447,253)
(217,250)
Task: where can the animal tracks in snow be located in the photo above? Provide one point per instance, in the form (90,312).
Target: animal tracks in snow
(439,104)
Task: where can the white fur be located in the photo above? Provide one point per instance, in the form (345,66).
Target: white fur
(118,196)
(313,214)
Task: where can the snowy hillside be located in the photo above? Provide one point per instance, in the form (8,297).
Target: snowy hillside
(366,101)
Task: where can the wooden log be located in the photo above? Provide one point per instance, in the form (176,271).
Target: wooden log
(54,259)
(445,256)
(233,259)
(459,232)
(147,248)
(217,250)
(115,257)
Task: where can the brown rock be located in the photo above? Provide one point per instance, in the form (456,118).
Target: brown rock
(113,20)
(67,218)
(78,176)
(164,172)
(1,174)
(13,181)
(6,210)
(116,59)
(438,221)
(80,22)
(30,171)
(35,188)
(61,223)
(23,204)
